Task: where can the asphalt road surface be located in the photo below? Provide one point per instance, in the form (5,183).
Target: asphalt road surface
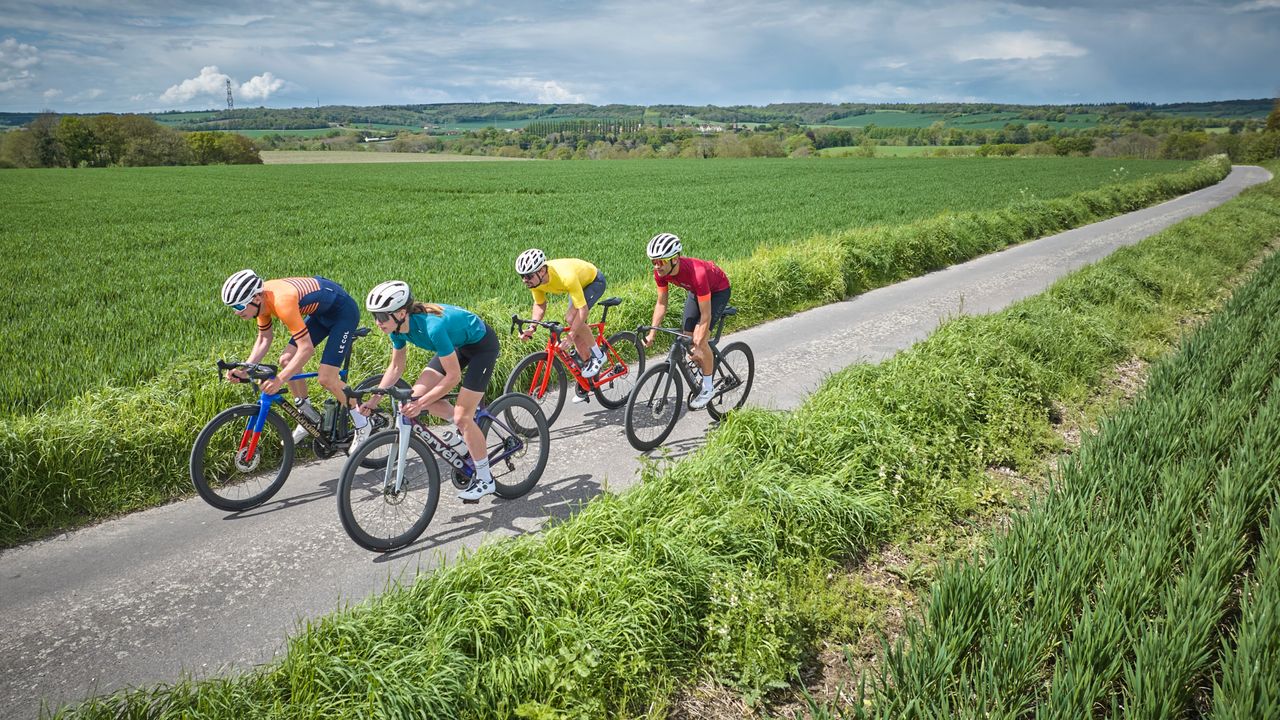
(186,590)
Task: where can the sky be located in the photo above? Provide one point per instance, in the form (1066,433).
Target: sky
(146,56)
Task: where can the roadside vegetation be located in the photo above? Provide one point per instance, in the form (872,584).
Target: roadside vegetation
(717,567)
(1146,578)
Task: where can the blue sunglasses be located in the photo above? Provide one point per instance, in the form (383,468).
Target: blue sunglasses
(239,306)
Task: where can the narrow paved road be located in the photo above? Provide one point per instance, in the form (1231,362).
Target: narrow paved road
(189,590)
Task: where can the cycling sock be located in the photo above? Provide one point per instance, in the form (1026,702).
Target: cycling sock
(597,351)
(358,419)
(482,470)
(707,382)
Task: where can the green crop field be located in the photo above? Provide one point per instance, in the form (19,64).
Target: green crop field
(113,275)
(900,150)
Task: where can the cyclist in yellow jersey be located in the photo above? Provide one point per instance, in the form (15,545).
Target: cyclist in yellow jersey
(582,282)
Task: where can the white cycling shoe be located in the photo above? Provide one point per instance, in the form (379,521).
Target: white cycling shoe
(593,366)
(702,398)
(476,490)
(359,436)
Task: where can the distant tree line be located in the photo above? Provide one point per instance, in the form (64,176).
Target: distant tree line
(117,140)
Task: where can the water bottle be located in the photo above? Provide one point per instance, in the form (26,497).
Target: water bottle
(330,417)
(304,404)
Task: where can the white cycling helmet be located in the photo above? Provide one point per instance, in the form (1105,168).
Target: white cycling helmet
(530,261)
(388,296)
(663,246)
(240,288)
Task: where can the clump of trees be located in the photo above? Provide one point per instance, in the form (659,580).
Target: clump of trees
(118,140)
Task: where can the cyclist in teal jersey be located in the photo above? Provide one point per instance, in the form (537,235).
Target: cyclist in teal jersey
(466,350)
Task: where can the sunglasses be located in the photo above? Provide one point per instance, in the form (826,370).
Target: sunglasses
(382,317)
(239,307)
(530,276)
(662,261)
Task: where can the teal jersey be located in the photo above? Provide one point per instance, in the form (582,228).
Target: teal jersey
(441,335)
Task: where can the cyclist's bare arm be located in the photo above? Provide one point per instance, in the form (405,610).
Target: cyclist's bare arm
(659,312)
(394,371)
(539,309)
(260,347)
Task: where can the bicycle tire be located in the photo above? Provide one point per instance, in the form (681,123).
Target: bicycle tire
(254,488)
(527,372)
(520,419)
(614,393)
(653,405)
(735,361)
(381,419)
(364,501)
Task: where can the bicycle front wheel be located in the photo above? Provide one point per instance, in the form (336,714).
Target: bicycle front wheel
(541,380)
(618,377)
(226,475)
(654,407)
(376,513)
(735,370)
(518,442)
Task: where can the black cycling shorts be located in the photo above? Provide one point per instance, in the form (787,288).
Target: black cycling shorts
(477,361)
(692,313)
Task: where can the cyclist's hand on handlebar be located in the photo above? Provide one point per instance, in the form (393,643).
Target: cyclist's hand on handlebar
(272,385)
(527,334)
(411,409)
(648,339)
(234,376)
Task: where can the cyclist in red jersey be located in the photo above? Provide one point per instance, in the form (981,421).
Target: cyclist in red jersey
(329,313)
(708,296)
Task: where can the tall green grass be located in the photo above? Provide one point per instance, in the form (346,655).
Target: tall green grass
(116,450)
(1114,592)
(702,570)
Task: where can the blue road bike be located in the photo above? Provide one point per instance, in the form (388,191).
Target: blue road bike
(244,454)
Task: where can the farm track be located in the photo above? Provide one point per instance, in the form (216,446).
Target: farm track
(185,588)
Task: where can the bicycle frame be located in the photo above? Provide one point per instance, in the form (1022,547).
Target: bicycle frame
(253,432)
(555,352)
(460,462)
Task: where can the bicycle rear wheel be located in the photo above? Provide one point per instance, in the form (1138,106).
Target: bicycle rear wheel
(620,372)
(734,373)
(531,377)
(225,475)
(518,442)
(654,406)
(374,513)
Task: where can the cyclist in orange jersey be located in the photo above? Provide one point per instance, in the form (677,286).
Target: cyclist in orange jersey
(330,313)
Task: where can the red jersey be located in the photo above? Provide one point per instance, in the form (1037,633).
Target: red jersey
(700,277)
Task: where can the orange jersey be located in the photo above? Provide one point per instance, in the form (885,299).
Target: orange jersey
(291,298)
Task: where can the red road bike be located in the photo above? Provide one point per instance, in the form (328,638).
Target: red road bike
(544,375)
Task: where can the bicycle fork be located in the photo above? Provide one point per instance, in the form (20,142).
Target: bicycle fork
(404,427)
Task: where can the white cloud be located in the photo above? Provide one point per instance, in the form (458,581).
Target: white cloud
(16,63)
(543,91)
(51,93)
(209,82)
(90,94)
(1015,46)
(213,83)
(261,87)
